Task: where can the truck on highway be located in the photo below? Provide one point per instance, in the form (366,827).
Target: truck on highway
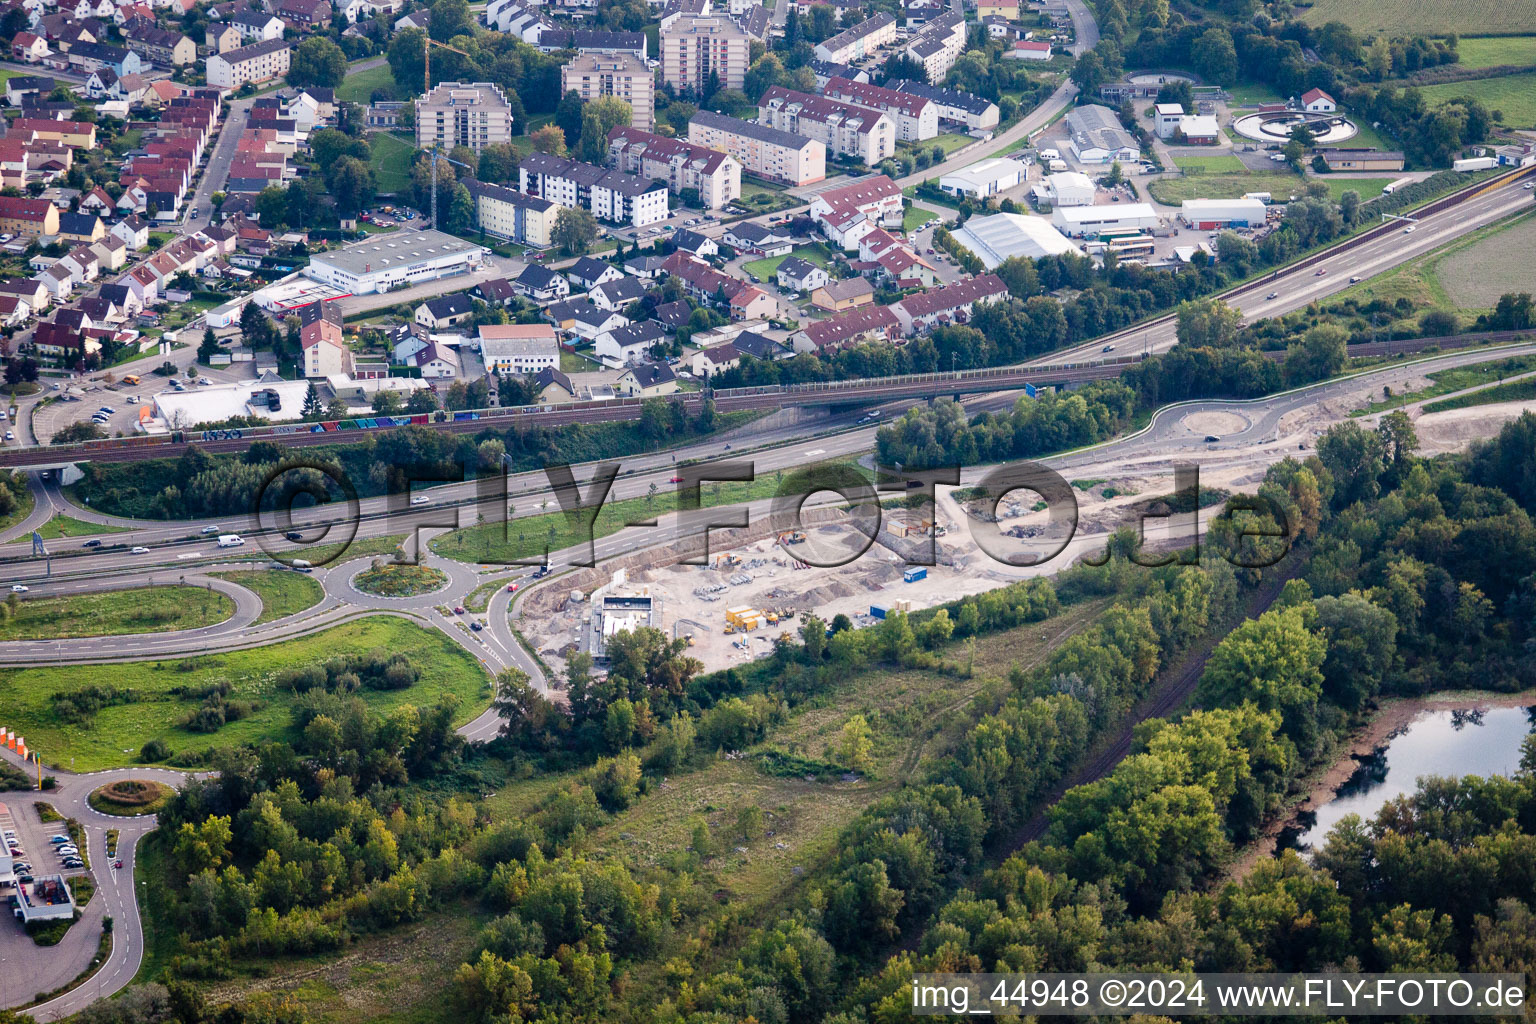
(230,540)
(1391,187)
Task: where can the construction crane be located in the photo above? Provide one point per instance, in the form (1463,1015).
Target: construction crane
(433,153)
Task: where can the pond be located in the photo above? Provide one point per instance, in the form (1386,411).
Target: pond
(1447,743)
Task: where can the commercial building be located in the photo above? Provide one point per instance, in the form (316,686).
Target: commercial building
(455,114)
(506,213)
(1003,235)
(860,41)
(1198,130)
(762,150)
(979,181)
(1066,188)
(976,113)
(1315,101)
(1166,117)
(609,195)
(519,348)
(1361,159)
(1096,136)
(916,117)
(716,174)
(693,49)
(382,262)
(259,62)
(269,398)
(844,128)
(1091,221)
(48,900)
(1208,214)
(622,76)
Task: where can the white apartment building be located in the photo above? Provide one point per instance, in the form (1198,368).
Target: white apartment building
(610,195)
(454,114)
(916,117)
(259,62)
(844,128)
(767,152)
(621,75)
(693,48)
(714,171)
(860,41)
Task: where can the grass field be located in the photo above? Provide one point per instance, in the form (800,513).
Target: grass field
(1216,163)
(1514,391)
(765,268)
(1490,51)
(1426,17)
(360,86)
(389,580)
(1457,378)
(283,592)
(947,142)
(1254,93)
(68,526)
(913,218)
(1172,191)
(24,505)
(110,612)
(390,157)
(1513,97)
(1475,277)
(113,739)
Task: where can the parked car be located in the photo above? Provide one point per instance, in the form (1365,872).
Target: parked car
(60,840)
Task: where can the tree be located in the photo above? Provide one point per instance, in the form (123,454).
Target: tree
(1215,56)
(1208,323)
(387,402)
(210,345)
(272,207)
(421,401)
(407,61)
(854,746)
(1320,354)
(1274,661)
(549,139)
(461,216)
(598,118)
(1362,640)
(1398,438)
(311,402)
(351,183)
(568,117)
(1438,323)
(451,18)
(574,232)
(1354,457)
(317,61)
(497,164)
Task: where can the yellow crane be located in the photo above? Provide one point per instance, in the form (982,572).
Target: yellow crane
(434,155)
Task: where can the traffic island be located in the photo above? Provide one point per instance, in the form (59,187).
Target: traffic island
(385,579)
(129,797)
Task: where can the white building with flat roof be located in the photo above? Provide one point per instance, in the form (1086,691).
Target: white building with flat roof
(988,178)
(1086,221)
(1207,214)
(1066,188)
(272,399)
(1004,235)
(382,262)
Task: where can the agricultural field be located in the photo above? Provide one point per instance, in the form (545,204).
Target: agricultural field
(111,612)
(1512,96)
(1491,51)
(1427,17)
(165,693)
(1475,277)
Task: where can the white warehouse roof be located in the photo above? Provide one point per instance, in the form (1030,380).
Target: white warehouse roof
(1121,215)
(1251,210)
(1003,235)
(985,178)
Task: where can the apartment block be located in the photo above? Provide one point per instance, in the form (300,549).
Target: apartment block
(714,172)
(621,75)
(938,45)
(860,41)
(507,213)
(769,153)
(259,62)
(610,195)
(457,114)
(916,117)
(693,48)
(845,129)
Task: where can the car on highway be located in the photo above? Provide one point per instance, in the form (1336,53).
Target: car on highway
(117,864)
(1271,296)
(211,529)
(1355,279)
(92,544)
(1107,348)
(674,480)
(1320,273)
(420,499)
(19,588)
(140,550)
(1528,185)
(458,609)
(1408,230)
(511,588)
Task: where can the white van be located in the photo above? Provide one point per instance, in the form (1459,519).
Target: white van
(230,540)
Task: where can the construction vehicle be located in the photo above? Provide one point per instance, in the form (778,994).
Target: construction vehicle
(772,617)
(729,629)
(727,561)
(689,638)
(795,537)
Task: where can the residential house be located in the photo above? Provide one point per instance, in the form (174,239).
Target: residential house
(29,47)
(305,14)
(81,227)
(257,62)
(221,36)
(553,387)
(14,311)
(22,86)
(445,311)
(715,175)
(847,214)
(844,294)
(872,323)
(710,361)
(589,322)
(924,311)
(694,243)
(495,293)
(134,231)
(32,217)
(160,46)
(256,26)
(628,343)
(616,295)
(648,380)
(752,303)
(749,237)
(541,284)
(587,273)
(800,275)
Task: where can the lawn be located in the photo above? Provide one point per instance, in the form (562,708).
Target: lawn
(283,592)
(1173,191)
(1401,18)
(68,526)
(765,268)
(168,691)
(1514,391)
(914,217)
(948,143)
(110,612)
(359,86)
(24,503)
(1490,51)
(391,158)
(574,362)
(1513,96)
(1254,93)
(1216,163)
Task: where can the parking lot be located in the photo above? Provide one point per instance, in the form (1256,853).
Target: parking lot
(33,836)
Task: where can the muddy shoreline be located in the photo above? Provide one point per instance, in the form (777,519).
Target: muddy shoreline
(1391,716)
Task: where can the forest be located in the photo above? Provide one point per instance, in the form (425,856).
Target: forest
(1405,574)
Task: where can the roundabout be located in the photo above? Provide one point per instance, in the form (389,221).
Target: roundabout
(399,582)
(129,798)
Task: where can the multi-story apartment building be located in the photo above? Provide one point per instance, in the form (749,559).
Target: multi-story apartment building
(861,40)
(161,46)
(694,48)
(28,216)
(767,152)
(964,108)
(455,114)
(715,173)
(610,195)
(259,62)
(507,213)
(916,117)
(622,75)
(938,45)
(845,129)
